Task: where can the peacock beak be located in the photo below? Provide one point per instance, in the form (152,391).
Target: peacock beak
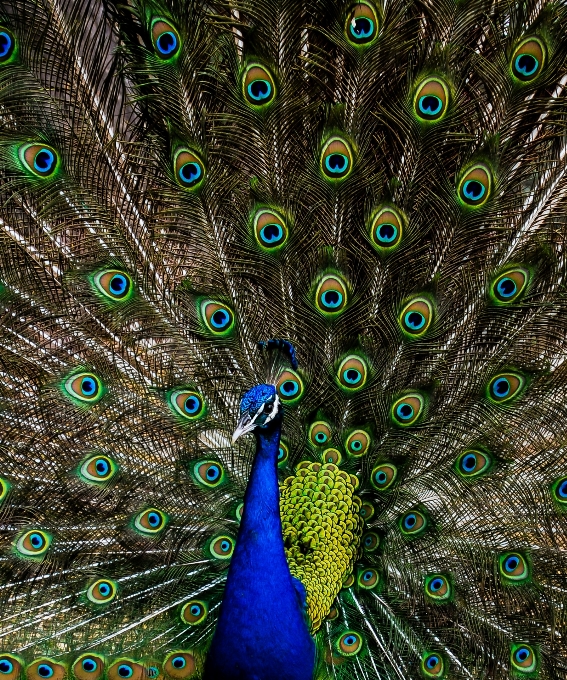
(245,424)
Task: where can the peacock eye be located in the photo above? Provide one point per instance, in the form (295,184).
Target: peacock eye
(509,286)
(349,643)
(416,317)
(336,159)
(85,388)
(431,99)
(352,373)
(319,433)
(559,491)
(258,86)
(437,587)
(165,39)
(290,387)
(152,672)
(114,284)
(432,665)
(88,667)
(102,591)
(39,159)
(370,541)
(471,464)
(44,669)
(367,511)
(34,543)
(475,186)
(7,45)
(383,476)
(331,296)
(407,410)
(528,59)
(283,454)
(270,230)
(358,443)
(523,658)
(150,521)
(513,567)
(386,229)
(362,24)
(187,403)
(505,387)
(332,455)
(98,469)
(368,579)
(209,473)
(4,488)
(194,612)
(189,169)
(179,665)
(10,667)
(222,547)
(413,523)
(218,318)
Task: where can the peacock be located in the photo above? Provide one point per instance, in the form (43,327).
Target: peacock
(283,329)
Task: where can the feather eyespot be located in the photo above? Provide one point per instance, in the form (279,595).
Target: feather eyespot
(368,579)
(125,669)
(194,612)
(352,373)
(283,454)
(165,39)
(34,543)
(523,658)
(114,284)
(98,469)
(509,286)
(179,665)
(416,317)
(319,433)
(513,567)
(189,169)
(150,521)
(559,491)
(336,159)
(85,388)
(367,511)
(471,464)
(432,665)
(505,387)
(331,297)
(222,547)
(431,99)
(4,488)
(362,24)
(413,523)
(218,318)
(383,476)
(88,667)
(358,443)
(370,541)
(438,587)
(102,591)
(386,229)
(10,667)
(209,473)
(290,387)
(270,230)
(45,669)
(349,643)
(188,404)
(332,456)
(475,186)
(39,159)
(7,45)
(528,59)
(408,409)
(258,86)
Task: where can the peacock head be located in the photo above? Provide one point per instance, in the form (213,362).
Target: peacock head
(259,407)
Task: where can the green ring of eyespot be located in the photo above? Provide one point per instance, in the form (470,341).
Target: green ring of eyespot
(475,186)
(290,387)
(467,463)
(155,519)
(336,164)
(528,71)
(386,228)
(559,492)
(194,612)
(368,578)
(428,669)
(349,643)
(331,295)
(217,318)
(258,86)
(107,590)
(222,541)
(163,50)
(33,543)
(90,385)
(504,387)
(419,523)
(398,412)
(80,665)
(5,487)
(8,46)
(283,454)
(197,405)
(209,473)
(432,587)
(379,476)
(520,649)
(416,317)
(510,562)
(369,25)
(370,541)
(358,442)
(189,170)
(270,230)
(104,469)
(352,374)
(122,283)
(323,436)
(442,104)
(13,665)
(45,162)
(509,286)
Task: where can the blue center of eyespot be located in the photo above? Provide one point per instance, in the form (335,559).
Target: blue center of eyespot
(410,521)
(473,190)
(430,105)
(367,576)
(195,610)
(220,319)
(349,640)
(368,541)
(432,661)
(271,234)
(190,172)
(152,672)
(118,284)
(225,546)
(526,64)
(414,320)
(213,473)
(501,387)
(511,563)
(562,489)
(44,670)
(281,453)
(259,90)
(125,671)
(5,44)
(469,462)
(404,411)
(192,404)
(44,160)
(352,376)
(332,299)
(290,388)
(386,232)
(154,520)
(436,584)
(522,654)
(361,27)
(89,665)
(356,445)
(381,477)
(506,287)
(178,662)
(89,387)
(167,43)
(104,589)
(37,541)
(6,666)
(102,467)
(336,163)
(321,437)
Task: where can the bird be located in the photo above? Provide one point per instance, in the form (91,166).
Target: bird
(283,329)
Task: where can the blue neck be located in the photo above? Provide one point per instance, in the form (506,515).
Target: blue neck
(261,632)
